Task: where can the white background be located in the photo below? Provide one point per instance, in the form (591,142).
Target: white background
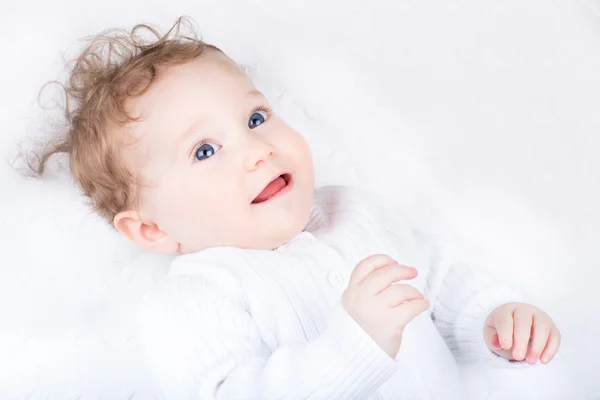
(480,117)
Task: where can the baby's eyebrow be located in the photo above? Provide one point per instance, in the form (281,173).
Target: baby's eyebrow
(255,92)
(183,136)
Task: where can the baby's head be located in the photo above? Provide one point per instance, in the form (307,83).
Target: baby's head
(176,147)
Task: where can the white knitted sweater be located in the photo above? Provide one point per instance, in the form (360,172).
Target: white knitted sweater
(231,323)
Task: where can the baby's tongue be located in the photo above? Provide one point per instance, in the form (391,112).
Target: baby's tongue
(270,190)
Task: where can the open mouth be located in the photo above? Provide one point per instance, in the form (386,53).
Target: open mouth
(275,188)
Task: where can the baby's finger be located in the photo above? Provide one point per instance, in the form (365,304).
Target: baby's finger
(408,310)
(503,323)
(540,333)
(552,346)
(395,295)
(368,265)
(523,319)
(383,277)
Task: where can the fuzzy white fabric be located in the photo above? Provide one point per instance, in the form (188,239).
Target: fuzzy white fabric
(473,117)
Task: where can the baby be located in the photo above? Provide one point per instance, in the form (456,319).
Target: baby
(277,290)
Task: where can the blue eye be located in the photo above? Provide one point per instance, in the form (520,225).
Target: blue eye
(256,119)
(206,150)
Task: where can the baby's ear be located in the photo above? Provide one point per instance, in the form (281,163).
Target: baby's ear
(147,235)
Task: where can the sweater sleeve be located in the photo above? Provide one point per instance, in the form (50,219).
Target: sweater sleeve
(462,296)
(201,342)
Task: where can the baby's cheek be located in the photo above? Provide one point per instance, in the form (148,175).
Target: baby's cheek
(301,156)
(302,148)
(290,142)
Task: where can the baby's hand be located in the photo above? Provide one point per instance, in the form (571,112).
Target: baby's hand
(511,327)
(382,308)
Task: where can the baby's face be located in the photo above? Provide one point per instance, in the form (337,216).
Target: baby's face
(220,169)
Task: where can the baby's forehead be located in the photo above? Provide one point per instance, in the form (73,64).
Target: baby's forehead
(209,76)
(207,68)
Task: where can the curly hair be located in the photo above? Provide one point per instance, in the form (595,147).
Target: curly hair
(113,67)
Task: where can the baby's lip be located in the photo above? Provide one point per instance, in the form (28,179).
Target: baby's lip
(286,177)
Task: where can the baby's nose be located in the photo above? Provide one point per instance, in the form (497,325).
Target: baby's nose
(259,151)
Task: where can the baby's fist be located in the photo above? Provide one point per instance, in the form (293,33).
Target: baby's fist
(513,328)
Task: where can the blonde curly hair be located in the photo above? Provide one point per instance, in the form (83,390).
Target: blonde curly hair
(114,66)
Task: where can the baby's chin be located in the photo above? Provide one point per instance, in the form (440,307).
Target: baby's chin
(281,226)
(271,239)
(275,239)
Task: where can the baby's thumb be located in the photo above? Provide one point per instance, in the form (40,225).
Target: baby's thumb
(490,336)
(495,342)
